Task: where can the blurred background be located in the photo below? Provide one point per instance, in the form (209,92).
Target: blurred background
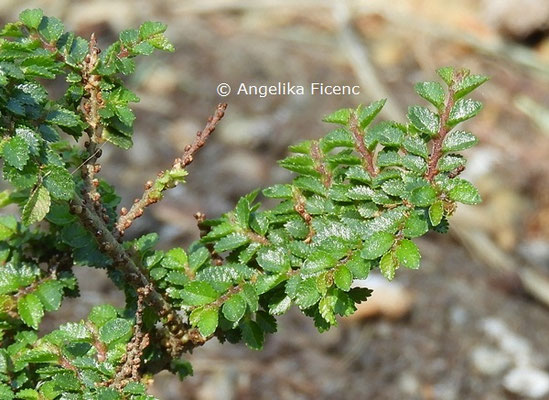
(473,322)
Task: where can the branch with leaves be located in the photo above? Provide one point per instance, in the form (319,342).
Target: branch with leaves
(360,196)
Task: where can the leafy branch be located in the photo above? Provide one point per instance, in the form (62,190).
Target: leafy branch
(359,197)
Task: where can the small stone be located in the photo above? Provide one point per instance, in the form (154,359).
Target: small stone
(529,382)
(489,361)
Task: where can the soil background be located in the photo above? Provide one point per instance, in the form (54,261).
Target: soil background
(473,322)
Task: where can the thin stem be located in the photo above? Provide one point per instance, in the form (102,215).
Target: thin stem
(153,190)
(367,156)
(436,149)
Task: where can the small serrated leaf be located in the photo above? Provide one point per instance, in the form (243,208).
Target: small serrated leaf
(468,84)
(447,74)
(432,92)
(307,294)
(231,242)
(388,265)
(59,182)
(377,245)
(31,18)
(273,259)
(50,294)
(63,117)
(341,116)
(198,293)
(115,329)
(16,152)
(424,120)
(458,140)
(30,310)
(343,278)
(37,206)
(464,192)
(462,110)
(51,28)
(368,113)
(436,212)
(207,321)
(234,308)
(252,334)
(423,196)
(408,254)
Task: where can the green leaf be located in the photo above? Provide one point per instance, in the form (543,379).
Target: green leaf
(30,310)
(231,242)
(343,278)
(234,308)
(341,116)
(115,329)
(207,321)
(198,257)
(252,334)
(307,293)
(318,261)
(279,191)
(8,226)
(432,92)
(63,117)
(31,18)
(368,113)
(450,162)
(129,36)
(424,120)
(447,74)
(266,322)
(198,293)
(249,294)
(273,259)
(50,294)
(16,152)
(279,305)
(151,28)
(242,212)
(37,206)
(59,182)
(408,254)
(51,28)
(5,392)
(436,212)
(462,110)
(423,196)
(28,394)
(377,245)
(101,314)
(468,84)
(388,266)
(464,192)
(458,140)
(415,145)
(387,133)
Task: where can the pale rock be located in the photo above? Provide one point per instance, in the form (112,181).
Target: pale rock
(529,382)
(389,299)
(489,361)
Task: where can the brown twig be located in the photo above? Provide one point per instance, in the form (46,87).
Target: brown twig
(129,370)
(436,149)
(367,156)
(320,167)
(299,207)
(122,260)
(153,190)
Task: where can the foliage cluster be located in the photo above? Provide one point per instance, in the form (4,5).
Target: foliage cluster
(360,195)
